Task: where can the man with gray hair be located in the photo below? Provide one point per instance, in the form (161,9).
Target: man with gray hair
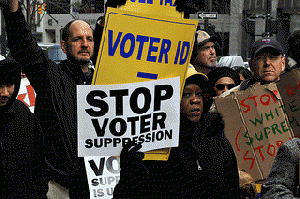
(204,57)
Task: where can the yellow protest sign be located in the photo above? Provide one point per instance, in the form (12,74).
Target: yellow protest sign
(156,7)
(137,47)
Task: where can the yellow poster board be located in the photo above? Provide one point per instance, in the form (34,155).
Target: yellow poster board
(138,47)
(155,7)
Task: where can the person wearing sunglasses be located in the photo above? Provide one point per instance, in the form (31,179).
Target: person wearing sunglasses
(222,79)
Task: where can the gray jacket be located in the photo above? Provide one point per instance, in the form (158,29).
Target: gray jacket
(283,179)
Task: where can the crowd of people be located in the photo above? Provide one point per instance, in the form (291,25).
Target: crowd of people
(42,147)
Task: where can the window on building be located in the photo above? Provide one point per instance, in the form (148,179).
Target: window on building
(219,6)
(255,6)
(289,6)
(92,6)
(58,6)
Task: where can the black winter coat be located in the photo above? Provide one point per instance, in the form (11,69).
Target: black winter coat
(203,166)
(56,105)
(22,150)
(22,154)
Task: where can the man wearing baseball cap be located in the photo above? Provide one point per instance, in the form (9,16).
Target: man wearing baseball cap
(204,57)
(267,62)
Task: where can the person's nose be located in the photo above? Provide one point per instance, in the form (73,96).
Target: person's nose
(225,89)
(195,99)
(84,43)
(267,61)
(212,51)
(4,91)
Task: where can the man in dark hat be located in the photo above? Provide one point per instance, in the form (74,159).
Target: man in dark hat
(267,62)
(221,79)
(204,57)
(23,166)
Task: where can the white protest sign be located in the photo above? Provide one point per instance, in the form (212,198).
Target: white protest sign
(27,94)
(103,175)
(109,116)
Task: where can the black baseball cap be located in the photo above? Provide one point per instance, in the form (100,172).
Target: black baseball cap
(265,43)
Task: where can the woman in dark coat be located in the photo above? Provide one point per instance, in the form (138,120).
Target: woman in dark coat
(203,166)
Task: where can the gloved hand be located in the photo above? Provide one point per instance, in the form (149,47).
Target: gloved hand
(134,175)
(131,164)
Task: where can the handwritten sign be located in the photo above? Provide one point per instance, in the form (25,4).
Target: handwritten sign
(289,88)
(256,126)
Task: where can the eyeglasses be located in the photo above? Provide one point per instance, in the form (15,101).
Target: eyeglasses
(221,87)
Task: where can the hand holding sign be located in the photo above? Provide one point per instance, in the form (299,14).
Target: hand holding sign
(133,172)
(131,161)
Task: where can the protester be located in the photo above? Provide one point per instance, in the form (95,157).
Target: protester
(55,85)
(243,73)
(221,79)
(267,62)
(283,179)
(23,165)
(203,166)
(204,57)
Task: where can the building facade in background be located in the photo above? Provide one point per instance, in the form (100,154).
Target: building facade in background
(238,24)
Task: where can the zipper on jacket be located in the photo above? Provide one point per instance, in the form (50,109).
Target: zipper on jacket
(199,167)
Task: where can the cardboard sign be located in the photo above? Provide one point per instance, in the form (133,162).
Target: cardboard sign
(289,88)
(111,115)
(27,94)
(256,126)
(103,175)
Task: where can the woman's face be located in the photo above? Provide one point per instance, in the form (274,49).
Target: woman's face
(224,84)
(191,104)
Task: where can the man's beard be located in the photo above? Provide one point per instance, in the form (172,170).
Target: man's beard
(211,64)
(82,61)
(78,61)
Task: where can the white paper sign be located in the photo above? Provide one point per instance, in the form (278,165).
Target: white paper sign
(111,115)
(103,175)
(27,94)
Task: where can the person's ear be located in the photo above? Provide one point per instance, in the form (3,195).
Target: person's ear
(252,65)
(283,63)
(64,46)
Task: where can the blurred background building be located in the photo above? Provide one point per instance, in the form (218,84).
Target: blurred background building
(237,23)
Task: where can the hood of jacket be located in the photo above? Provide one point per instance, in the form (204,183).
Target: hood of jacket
(10,74)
